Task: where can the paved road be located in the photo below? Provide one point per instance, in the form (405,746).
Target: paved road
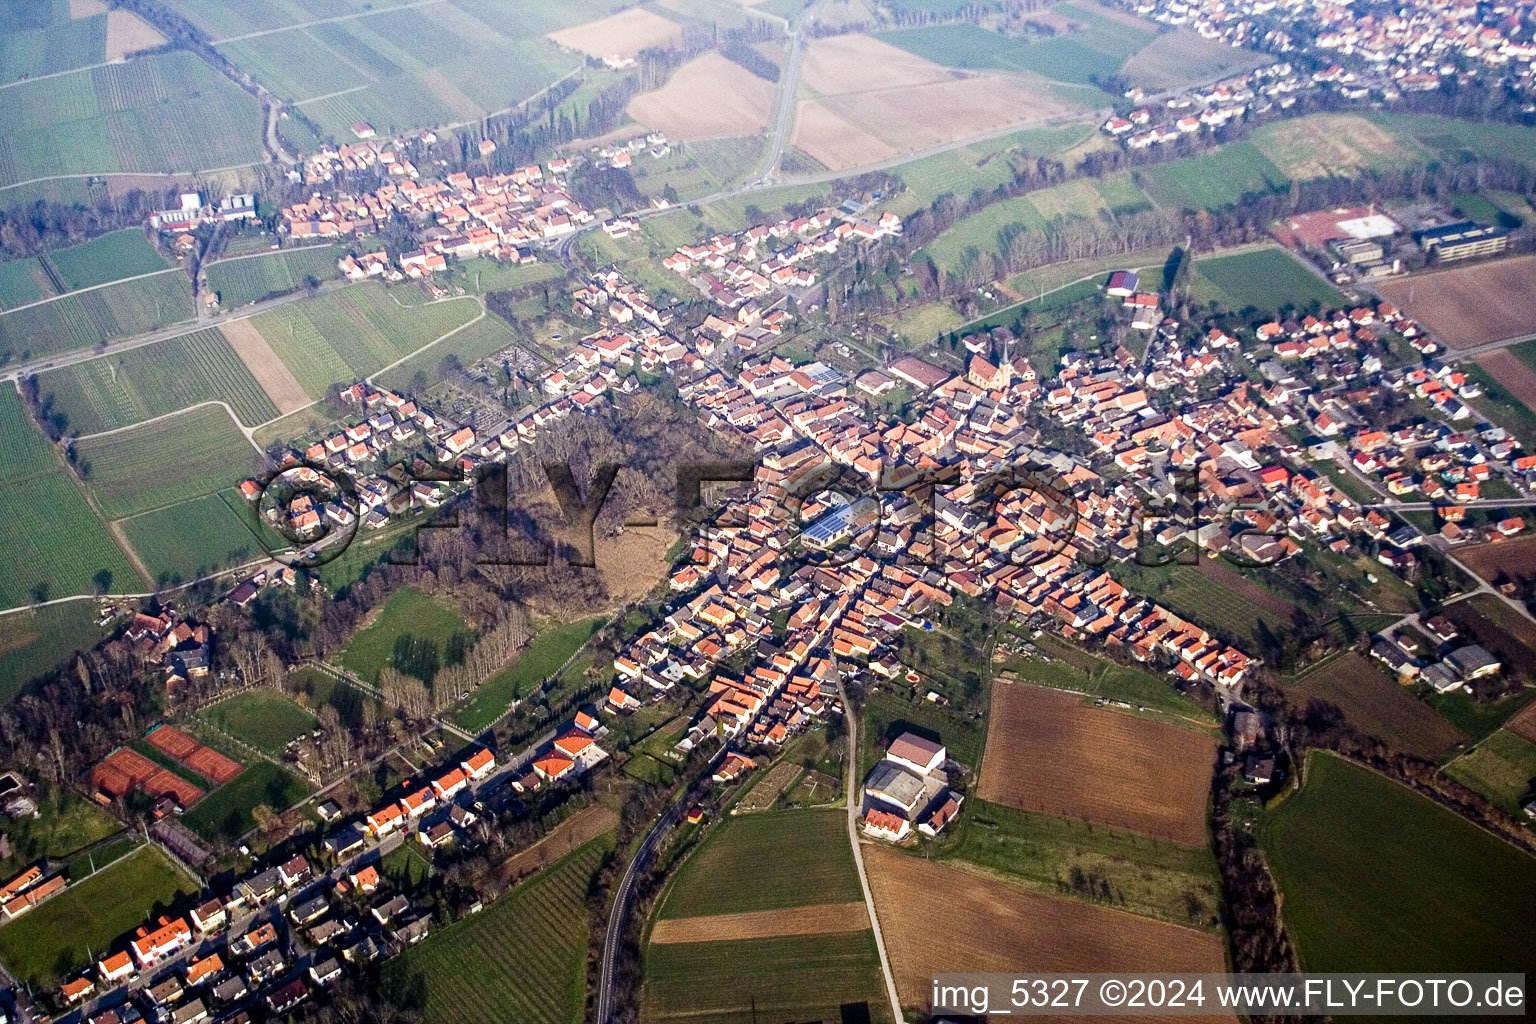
(788,96)
(853,801)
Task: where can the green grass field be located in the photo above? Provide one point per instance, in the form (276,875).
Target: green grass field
(408,622)
(1174,58)
(65,823)
(166,462)
(468,346)
(226,812)
(1146,876)
(767,861)
(1265,280)
(549,650)
(1501,768)
(43,946)
(249,278)
(167,113)
(1213,180)
(1378,878)
(83,319)
(465,973)
(797,977)
(346,335)
(1101,678)
(152,380)
(35,642)
(194,538)
(46,42)
(111,257)
(265,719)
(58,546)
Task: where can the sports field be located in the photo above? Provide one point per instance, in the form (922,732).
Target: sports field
(767,861)
(266,719)
(83,319)
(1359,898)
(152,380)
(550,649)
(464,972)
(58,546)
(226,812)
(166,113)
(43,946)
(343,336)
(184,456)
(1048,752)
(1264,280)
(411,632)
(246,279)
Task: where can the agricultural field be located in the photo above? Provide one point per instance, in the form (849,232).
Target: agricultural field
(397,66)
(469,346)
(1471,305)
(344,336)
(128,387)
(984,165)
(58,545)
(266,719)
(42,947)
(1174,58)
(1048,752)
(1212,180)
(1377,704)
(1058,856)
(194,538)
(1216,596)
(246,279)
(167,113)
(36,641)
(1446,138)
(226,812)
(1091,43)
(83,319)
(1322,145)
(411,631)
(1264,280)
(150,466)
(768,861)
(990,925)
(111,257)
(789,977)
(1097,677)
(463,971)
(740,102)
(1501,767)
(550,648)
(1359,898)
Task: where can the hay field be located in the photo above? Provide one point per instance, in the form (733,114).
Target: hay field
(1329,144)
(1472,305)
(127,34)
(738,102)
(624,34)
(818,919)
(989,925)
(1048,752)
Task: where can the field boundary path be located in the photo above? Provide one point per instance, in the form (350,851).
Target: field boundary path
(852,731)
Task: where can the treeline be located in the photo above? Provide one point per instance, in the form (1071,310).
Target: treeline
(749,58)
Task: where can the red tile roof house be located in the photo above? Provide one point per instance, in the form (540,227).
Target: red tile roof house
(151,947)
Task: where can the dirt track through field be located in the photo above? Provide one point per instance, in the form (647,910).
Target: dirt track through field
(763,924)
(1048,752)
(1472,305)
(937,918)
(270,372)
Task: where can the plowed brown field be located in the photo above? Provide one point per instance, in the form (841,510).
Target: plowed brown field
(763,924)
(1048,752)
